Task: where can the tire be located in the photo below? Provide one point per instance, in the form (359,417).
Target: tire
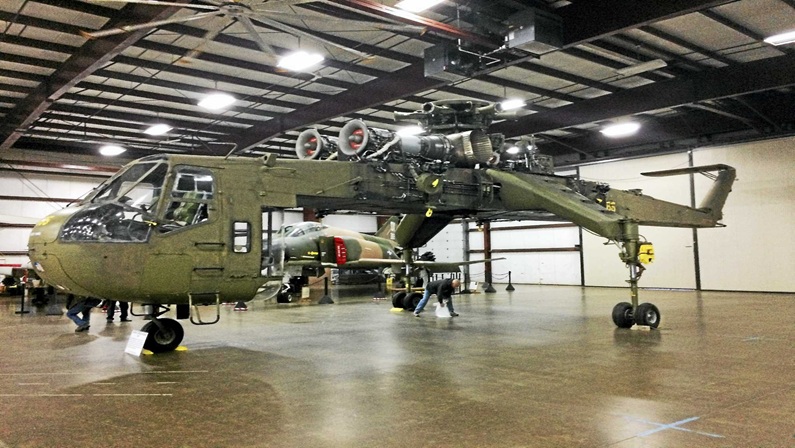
(411,301)
(648,314)
(166,339)
(622,315)
(283,297)
(397,299)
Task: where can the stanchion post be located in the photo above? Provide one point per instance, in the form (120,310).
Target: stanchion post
(326,299)
(22,309)
(510,286)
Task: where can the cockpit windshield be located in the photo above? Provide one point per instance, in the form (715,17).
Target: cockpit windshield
(122,210)
(139,187)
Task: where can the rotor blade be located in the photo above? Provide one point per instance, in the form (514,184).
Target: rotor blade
(297,31)
(154,24)
(159,3)
(252,30)
(209,36)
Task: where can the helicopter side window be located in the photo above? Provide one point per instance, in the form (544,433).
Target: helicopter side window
(190,199)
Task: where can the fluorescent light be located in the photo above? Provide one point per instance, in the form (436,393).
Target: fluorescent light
(410,130)
(781,39)
(216,101)
(299,60)
(512,104)
(643,67)
(111,150)
(417,5)
(158,129)
(621,129)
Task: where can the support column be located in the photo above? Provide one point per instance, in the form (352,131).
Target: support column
(487,254)
(465,233)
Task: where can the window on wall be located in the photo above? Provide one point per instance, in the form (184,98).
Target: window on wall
(190,199)
(241,238)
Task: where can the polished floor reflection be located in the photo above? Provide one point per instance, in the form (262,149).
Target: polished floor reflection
(538,367)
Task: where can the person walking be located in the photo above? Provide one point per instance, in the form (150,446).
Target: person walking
(81,305)
(444,292)
(123,307)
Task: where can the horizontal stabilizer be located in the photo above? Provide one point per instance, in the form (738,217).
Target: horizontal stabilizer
(689,170)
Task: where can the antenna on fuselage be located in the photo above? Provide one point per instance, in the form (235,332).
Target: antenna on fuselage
(231,151)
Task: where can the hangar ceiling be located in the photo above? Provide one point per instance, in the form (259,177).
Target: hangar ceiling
(710,77)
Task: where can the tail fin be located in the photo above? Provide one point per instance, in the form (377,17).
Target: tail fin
(715,198)
(387,230)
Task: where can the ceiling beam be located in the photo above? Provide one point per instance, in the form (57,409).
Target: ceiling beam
(583,23)
(85,61)
(717,83)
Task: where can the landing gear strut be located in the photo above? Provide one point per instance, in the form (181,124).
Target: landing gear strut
(626,314)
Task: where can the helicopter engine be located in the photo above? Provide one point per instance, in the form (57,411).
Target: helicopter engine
(464,149)
(311,145)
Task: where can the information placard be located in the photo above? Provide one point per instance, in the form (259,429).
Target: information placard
(135,344)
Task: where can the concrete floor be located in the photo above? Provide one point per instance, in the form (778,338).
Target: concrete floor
(538,367)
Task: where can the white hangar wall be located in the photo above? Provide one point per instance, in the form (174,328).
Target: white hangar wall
(753,253)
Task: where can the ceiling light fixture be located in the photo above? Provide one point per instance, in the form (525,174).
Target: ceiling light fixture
(511,104)
(417,5)
(111,150)
(158,129)
(781,39)
(620,129)
(643,67)
(216,101)
(300,60)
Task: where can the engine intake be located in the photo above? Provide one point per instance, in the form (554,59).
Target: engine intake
(310,145)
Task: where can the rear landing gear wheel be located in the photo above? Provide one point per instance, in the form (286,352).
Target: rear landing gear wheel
(412,300)
(647,314)
(164,337)
(397,299)
(622,315)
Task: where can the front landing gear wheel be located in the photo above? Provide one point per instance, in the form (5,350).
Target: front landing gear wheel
(164,337)
(647,314)
(622,315)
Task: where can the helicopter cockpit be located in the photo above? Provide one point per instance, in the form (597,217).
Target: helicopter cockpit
(130,205)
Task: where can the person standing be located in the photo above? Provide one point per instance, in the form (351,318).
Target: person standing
(444,292)
(82,306)
(123,307)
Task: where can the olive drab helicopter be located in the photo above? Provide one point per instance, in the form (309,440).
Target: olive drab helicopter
(185,231)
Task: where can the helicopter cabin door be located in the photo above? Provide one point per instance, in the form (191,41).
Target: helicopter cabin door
(189,240)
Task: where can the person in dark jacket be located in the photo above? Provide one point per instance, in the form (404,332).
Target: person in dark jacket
(444,292)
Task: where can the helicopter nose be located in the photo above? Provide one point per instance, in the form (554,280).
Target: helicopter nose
(44,249)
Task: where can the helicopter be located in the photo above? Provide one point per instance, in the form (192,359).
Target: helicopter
(186,231)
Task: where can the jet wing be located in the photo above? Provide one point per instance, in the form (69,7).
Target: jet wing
(432,266)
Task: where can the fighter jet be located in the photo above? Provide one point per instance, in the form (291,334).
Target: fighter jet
(184,231)
(308,248)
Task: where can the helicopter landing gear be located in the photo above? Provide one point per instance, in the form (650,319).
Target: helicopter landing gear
(163,335)
(634,254)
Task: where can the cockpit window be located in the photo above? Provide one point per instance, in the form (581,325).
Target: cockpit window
(139,187)
(193,191)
